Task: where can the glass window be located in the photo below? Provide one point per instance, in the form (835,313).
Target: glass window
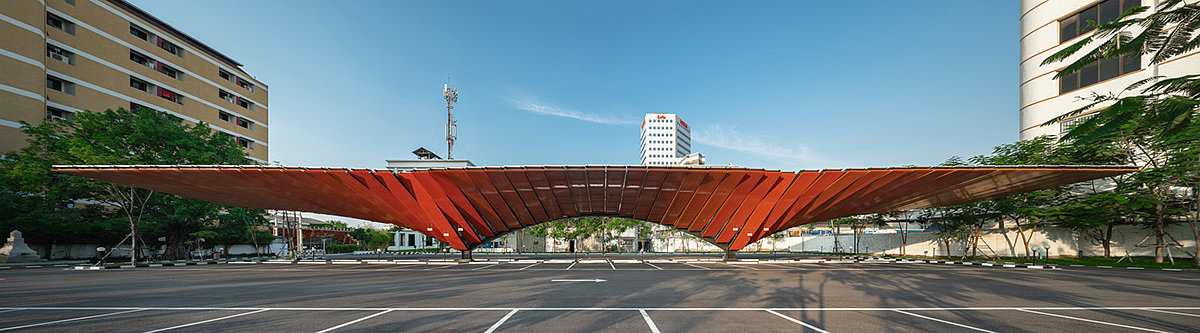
(54,84)
(1087,18)
(1068,83)
(1069,28)
(1109,68)
(1130,64)
(1127,4)
(138,84)
(1087,75)
(224,116)
(54,21)
(1109,10)
(138,32)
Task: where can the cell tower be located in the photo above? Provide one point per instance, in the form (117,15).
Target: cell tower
(451,96)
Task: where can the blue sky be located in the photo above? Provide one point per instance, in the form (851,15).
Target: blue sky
(779,85)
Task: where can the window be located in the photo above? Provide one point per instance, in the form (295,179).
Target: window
(141,59)
(226,96)
(169,71)
(225,116)
(243,84)
(170,47)
(134,107)
(1066,125)
(1085,20)
(223,75)
(1099,71)
(139,84)
(244,123)
(59,54)
(60,85)
(243,103)
(170,95)
(245,143)
(139,32)
(58,114)
(60,24)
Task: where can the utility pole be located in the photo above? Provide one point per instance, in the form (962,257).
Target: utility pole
(451,96)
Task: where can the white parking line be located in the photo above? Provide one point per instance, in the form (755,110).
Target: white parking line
(652,265)
(354,321)
(1173,312)
(9,310)
(438,267)
(742,266)
(1090,321)
(944,321)
(498,323)
(572,265)
(787,267)
(485,266)
(610,264)
(69,319)
(705,268)
(534,264)
(653,328)
(794,320)
(206,321)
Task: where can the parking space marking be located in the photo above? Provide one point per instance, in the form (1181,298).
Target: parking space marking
(439,267)
(207,321)
(70,319)
(1175,313)
(794,320)
(534,264)
(572,265)
(943,321)
(610,264)
(1090,321)
(498,322)
(652,265)
(355,321)
(9,310)
(787,267)
(653,328)
(689,264)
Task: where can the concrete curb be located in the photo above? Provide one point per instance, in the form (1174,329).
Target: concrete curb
(168,264)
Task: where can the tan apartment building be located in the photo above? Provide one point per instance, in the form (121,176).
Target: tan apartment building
(58,57)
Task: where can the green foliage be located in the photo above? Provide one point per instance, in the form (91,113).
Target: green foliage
(342,248)
(371,239)
(45,202)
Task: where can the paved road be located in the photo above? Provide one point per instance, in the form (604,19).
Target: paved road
(655,296)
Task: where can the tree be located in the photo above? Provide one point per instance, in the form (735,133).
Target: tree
(124,138)
(370,238)
(1155,123)
(1026,210)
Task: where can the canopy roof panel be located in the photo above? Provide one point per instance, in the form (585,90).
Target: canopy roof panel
(729,206)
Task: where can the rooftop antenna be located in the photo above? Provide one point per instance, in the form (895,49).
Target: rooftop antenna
(451,96)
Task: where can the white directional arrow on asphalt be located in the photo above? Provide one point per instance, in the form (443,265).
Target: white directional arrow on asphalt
(579,280)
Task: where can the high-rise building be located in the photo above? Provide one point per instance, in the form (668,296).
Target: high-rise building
(1049,26)
(58,57)
(666,139)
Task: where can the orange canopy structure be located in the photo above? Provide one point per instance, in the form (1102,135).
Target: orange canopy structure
(465,207)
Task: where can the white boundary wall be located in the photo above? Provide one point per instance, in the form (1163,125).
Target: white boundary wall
(1062,242)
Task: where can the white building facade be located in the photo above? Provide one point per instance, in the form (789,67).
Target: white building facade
(666,139)
(1047,27)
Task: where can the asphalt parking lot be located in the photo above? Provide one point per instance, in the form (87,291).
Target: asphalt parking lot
(598,294)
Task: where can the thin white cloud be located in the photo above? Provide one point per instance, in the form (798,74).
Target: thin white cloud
(532,104)
(720,136)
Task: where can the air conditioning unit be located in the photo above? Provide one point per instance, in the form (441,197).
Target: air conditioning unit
(60,57)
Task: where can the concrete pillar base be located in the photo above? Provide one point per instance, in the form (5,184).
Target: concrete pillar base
(730,255)
(466,256)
